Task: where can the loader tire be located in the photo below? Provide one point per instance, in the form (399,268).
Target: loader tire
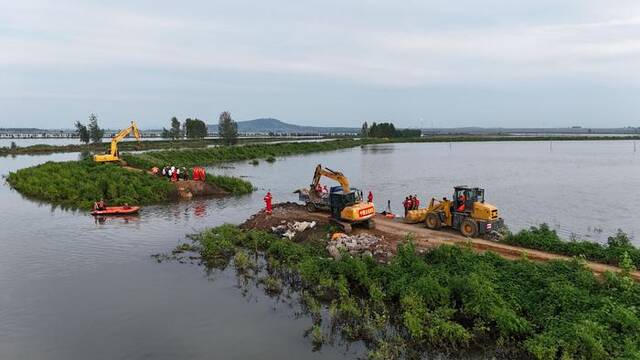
(469,228)
(433,221)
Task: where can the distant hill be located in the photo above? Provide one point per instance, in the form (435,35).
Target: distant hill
(267,125)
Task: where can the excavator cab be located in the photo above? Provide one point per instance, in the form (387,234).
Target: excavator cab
(471,195)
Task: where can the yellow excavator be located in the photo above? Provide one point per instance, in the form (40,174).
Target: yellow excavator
(343,202)
(467,212)
(113,154)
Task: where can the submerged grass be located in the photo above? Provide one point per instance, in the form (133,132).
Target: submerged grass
(449,299)
(77,184)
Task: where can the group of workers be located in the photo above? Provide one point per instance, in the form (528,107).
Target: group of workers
(171,172)
(411,202)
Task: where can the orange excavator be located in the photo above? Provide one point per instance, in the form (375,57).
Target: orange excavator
(343,202)
(113,154)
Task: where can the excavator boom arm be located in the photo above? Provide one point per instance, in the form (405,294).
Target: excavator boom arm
(123,134)
(331,174)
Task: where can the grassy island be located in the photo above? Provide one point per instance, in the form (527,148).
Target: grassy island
(449,299)
(77,184)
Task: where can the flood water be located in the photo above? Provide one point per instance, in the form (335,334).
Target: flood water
(73,288)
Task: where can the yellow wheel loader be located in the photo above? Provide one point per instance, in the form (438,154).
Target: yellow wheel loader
(343,202)
(113,154)
(467,212)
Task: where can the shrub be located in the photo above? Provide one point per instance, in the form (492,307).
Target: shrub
(233,185)
(546,239)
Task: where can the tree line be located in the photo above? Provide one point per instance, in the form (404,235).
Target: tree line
(387,130)
(191,129)
(197,129)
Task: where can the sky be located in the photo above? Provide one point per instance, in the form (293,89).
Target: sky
(428,63)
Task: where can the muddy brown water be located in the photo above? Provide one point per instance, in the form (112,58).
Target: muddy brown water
(74,288)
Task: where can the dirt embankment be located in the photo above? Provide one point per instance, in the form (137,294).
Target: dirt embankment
(186,189)
(190,188)
(393,231)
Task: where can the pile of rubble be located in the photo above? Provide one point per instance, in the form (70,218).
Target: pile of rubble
(361,244)
(290,229)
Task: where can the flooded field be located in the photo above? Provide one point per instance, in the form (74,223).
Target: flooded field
(76,288)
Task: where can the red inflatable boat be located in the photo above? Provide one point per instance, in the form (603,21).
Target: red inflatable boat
(117,210)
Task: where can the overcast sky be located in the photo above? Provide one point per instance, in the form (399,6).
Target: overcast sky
(526,63)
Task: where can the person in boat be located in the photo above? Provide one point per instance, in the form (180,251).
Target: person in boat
(99,205)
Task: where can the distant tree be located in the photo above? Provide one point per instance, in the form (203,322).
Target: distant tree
(195,128)
(13,145)
(95,133)
(365,130)
(176,133)
(227,128)
(83,132)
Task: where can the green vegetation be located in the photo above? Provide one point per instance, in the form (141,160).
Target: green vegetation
(270,159)
(449,299)
(254,162)
(388,130)
(227,128)
(77,184)
(126,146)
(215,155)
(82,132)
(232,185)
(195,128)
(174,131)
(543,238)
(95,132)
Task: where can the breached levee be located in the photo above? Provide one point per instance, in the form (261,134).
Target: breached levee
(190,188)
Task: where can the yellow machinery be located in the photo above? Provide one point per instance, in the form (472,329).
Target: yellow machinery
(343,202)
(113,154)
(467,212)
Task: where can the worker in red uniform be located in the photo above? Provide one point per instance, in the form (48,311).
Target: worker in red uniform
(407,205)
(370,197)
(267,202)
(461,203)
(416,202)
